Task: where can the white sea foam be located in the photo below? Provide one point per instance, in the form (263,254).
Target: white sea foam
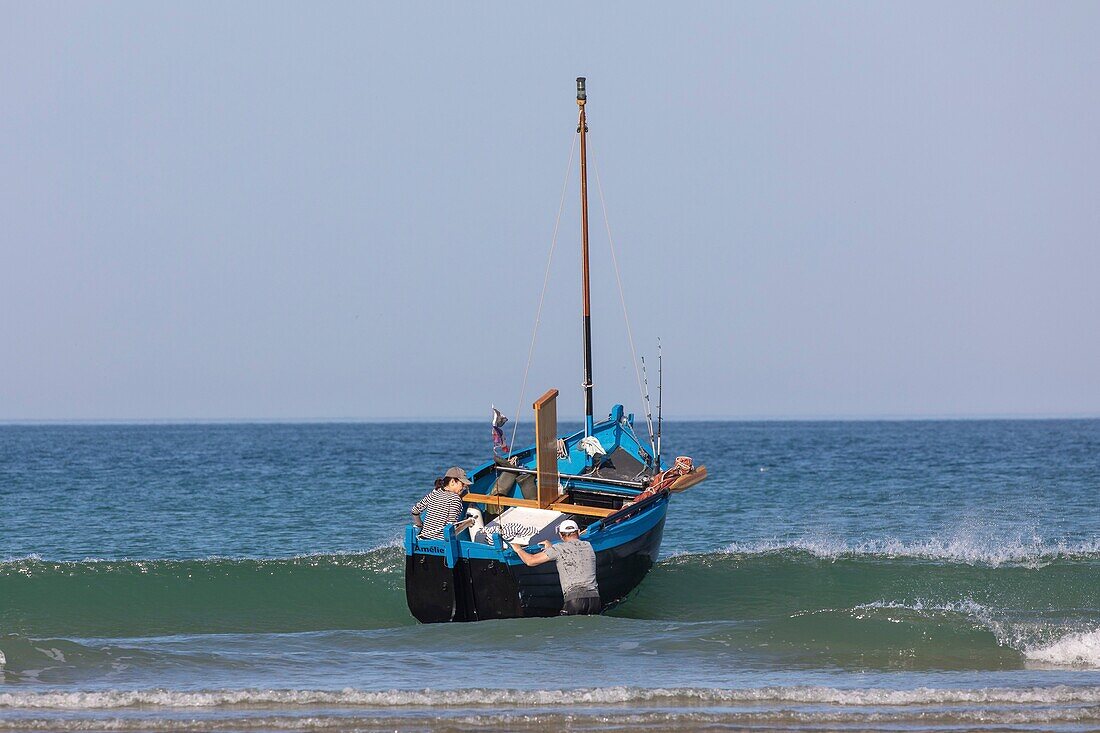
(480,697)
(598,719)
(1011,635)
(1071,648)
(55,654)
(1029,552)
(381,555)
(966,607)
(33,557)
(1076,649)
(961,548)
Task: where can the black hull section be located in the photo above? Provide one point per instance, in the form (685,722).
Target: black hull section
(479,590)
(429,588)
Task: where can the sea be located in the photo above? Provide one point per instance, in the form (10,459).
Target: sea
(905,575)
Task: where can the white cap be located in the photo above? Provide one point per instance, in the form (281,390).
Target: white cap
(568,526)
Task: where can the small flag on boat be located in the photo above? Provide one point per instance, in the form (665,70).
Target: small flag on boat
(498,435)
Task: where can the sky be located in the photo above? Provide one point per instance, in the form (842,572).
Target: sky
(285,211)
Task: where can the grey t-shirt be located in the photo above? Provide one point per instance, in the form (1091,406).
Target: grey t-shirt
(576,562)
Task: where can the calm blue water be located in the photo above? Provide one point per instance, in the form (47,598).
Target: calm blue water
(907,575)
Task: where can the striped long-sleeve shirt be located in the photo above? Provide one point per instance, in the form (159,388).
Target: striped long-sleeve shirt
(440,508)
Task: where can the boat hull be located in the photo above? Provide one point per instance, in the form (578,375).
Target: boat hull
(439,588)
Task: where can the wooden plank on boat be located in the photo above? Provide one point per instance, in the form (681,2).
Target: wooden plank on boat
(558,506)
(566,477)
(689,479)
(588,511)
(546,443)
(499,501)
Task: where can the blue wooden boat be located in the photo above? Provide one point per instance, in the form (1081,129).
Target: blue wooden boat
(602,476)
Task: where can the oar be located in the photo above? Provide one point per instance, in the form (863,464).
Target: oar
(688,480)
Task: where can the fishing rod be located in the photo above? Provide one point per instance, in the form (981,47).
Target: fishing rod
(660,400)
(649,413)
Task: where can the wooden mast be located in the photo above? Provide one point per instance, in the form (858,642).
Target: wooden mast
(582,128)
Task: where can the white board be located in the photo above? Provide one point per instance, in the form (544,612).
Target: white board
(544,521)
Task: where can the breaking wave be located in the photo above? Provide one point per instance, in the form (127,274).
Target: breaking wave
(1025,552)
(875,604)
(150,597)
(489,697)
(1077,649)
(480,709)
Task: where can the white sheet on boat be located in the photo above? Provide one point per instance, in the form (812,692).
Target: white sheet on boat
(540,524)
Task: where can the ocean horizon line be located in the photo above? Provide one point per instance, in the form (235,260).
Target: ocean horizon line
(579,420)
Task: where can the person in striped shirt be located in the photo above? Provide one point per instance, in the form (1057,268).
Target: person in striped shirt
(442,505)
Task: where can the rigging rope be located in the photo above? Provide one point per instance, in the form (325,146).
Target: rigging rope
(622,296)
(542,297)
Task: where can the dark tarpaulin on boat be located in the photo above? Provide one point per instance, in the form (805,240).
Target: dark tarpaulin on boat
(620,465)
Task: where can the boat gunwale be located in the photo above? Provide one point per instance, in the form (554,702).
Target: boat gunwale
(604,538)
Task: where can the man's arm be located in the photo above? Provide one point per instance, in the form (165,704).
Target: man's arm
(529,559)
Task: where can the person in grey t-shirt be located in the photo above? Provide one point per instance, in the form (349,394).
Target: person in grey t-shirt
(576,561)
